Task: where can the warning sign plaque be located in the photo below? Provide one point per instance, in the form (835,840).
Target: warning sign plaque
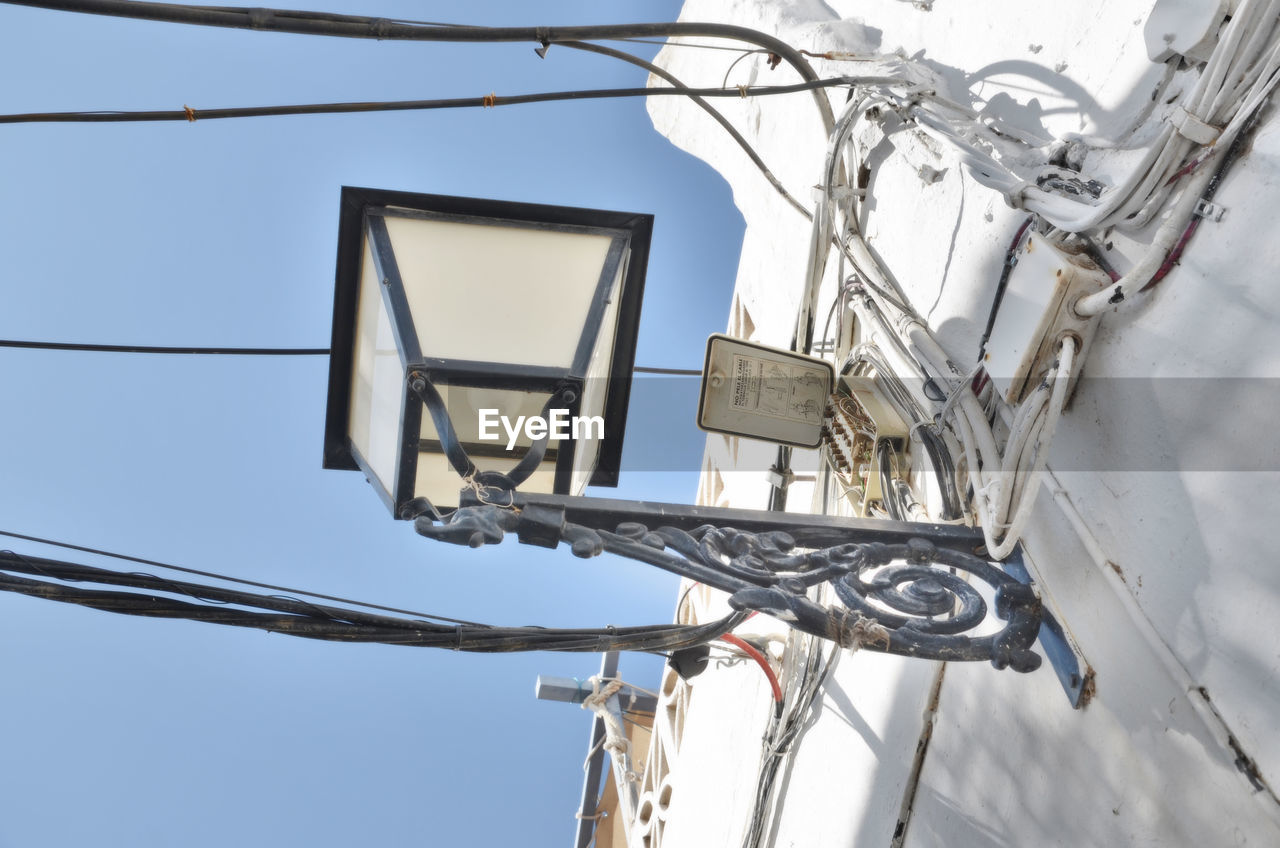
(763,393)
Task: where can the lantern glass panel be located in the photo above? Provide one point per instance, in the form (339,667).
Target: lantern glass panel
(377,379)
(497,292)
(435,478)
(596,387)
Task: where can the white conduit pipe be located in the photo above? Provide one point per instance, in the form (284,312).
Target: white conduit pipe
(1165,239)
(1018,480)
(994,493)
(823,218)
(1021,434)
(1195,695)
(1249,36)
(924,343)
(1066,358)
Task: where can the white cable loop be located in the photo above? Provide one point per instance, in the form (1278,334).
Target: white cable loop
(469,482)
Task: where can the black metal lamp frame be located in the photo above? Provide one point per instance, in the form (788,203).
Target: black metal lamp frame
(363,219)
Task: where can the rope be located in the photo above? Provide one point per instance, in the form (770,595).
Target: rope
(857,631)
(615,738)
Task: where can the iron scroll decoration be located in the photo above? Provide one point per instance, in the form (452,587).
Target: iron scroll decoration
(906,599)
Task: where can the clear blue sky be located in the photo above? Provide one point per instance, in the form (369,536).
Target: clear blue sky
(125,732)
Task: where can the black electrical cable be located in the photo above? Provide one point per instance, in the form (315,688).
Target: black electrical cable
(487,101)
(678,372)
(686,44)
(889,495)
(1010,259)
(245,351)
(206,351)
(75,572)
(944,470)
(734,64)
(706,107)
(312,621)
(239,580)
(355,26)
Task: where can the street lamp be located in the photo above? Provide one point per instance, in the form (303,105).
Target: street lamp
(469,334)
(453,312)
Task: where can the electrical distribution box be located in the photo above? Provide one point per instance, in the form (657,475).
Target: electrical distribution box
(764,393)
(1035,314)
(888,422)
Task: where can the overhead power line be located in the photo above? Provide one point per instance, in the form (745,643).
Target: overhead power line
(486,101)
(241,351)
(674,372)
(702,104)
(313,621)
(229,579)
(202,351)
(355,26)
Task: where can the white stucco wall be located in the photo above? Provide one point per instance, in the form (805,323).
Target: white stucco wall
(1166,454)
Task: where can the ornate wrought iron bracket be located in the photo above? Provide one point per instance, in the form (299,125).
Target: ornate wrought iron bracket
(900,585)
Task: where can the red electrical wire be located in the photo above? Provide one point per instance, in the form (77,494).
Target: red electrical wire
(750,651)
(1174,255)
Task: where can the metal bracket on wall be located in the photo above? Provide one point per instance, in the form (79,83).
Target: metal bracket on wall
(897,582)
(1073,672)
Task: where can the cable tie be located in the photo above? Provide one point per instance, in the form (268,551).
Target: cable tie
(922,423)
(1192,128)
(457,635)
(191,113)
(742,90)
(965,385)
(490,100)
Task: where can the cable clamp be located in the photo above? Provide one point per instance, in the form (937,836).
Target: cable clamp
(965,385)
(1192,128)
(923,424)
(1017,198)
(838,193)
(842,193)
(1209,211)
(490,100)
(779,478)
